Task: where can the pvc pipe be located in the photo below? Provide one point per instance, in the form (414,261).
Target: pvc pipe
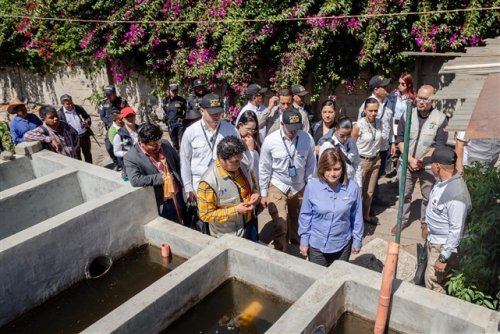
(165,250)
(249,314)
(384,300)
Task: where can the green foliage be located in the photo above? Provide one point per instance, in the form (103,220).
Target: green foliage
(177,40)
(458,287)
(480,248)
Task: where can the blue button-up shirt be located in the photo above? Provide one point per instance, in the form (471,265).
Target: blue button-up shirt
(19,126)
(329,218)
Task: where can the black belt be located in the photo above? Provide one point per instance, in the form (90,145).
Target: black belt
(369,158)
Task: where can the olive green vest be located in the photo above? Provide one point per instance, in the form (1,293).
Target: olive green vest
(422,139)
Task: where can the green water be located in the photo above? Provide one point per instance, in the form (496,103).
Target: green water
(218,312)
(82,304)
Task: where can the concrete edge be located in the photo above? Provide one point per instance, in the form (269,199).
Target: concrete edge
(81,165)
(37,182)
(156,307)
(183,241)
(68,216)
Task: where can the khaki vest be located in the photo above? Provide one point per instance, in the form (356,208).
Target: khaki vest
(227,195)
(420,142)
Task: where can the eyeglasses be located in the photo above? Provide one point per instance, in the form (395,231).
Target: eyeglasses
(401,83)
(423,99)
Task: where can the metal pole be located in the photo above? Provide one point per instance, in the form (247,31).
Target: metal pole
(404,170)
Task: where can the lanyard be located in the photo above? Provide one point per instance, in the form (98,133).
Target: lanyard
(370,127)
(286,147)
(214,137)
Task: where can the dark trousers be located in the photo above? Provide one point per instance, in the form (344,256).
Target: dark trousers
(85,148)
(168,211)
(109,149)
(174,131)
(326,259)
(384,155)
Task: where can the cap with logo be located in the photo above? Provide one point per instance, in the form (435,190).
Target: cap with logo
(442,155)
(199,83)
(299,90)
(108,90)
(292,119)
(212,103)
(379,81)
(255,89)
(127,111)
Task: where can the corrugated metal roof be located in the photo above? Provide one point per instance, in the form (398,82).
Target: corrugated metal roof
(461,97)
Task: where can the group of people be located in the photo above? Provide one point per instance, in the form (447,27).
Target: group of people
(318,182)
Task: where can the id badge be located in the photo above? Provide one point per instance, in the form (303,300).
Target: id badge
(292,171)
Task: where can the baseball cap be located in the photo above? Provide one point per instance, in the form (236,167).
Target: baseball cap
(255,89)
(108,90)
(299,90)
(292,119)
(173,86)
(198,83)
(379,81)
(442,155)
(127,111)
(212,103)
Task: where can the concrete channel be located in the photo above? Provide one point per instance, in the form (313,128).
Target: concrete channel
(99,214)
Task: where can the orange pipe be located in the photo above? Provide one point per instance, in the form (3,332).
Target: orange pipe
(249,313)
(384,300)
(165,250)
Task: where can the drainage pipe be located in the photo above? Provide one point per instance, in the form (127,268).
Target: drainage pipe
(391,260)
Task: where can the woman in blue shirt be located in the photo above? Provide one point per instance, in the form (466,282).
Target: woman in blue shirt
(331,218)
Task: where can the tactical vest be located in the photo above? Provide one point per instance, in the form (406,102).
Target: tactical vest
(423,138)
(227,195)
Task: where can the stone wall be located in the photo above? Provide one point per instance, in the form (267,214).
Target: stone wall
(48,88)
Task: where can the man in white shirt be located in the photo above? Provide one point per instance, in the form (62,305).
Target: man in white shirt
(199,143)
(484,151)
(255,96)
(449,203)
(287,163)
(270,118)
(78,118)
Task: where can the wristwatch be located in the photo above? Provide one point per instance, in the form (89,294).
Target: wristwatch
(442,259)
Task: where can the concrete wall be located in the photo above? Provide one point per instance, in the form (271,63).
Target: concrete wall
(15,172)
(37,200)
(346,287)
(319,295)
(43,259)
(48,88)
(159,305)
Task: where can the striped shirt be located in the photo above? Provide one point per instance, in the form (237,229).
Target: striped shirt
(67,137)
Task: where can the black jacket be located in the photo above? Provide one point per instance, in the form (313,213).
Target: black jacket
(79,111)
(142,173)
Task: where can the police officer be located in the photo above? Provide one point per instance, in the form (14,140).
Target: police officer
(175,112)
(193,104)
(112,104)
